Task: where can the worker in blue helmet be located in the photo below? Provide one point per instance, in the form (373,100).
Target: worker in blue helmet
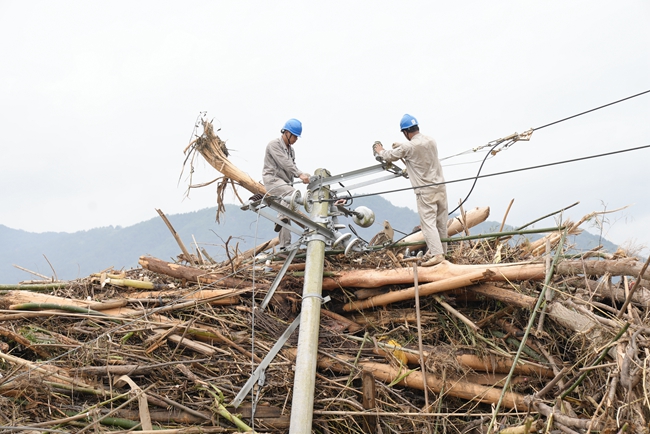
(280,170)
(420,155)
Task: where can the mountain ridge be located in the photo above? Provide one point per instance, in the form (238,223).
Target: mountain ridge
(79,254)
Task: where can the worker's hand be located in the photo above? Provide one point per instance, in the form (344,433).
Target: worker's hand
(377,147)
(340,202)
(304,177)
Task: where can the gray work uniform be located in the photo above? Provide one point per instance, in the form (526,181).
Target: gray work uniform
(420,156)
(278,174)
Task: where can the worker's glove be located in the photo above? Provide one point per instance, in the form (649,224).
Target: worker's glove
(374,151)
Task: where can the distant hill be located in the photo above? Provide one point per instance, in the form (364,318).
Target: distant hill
(80,254)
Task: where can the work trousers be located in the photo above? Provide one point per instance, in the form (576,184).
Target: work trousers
(432,208)
(285,191)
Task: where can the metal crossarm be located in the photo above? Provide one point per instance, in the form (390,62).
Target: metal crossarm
(299,218)
(344,177)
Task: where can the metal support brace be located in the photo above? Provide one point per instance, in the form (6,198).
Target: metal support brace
(261,368)
(278,278)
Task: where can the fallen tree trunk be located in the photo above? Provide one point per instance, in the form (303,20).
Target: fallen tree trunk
(424,290)
(191,274)
(212,148)
(502,272)
(415,380)
(446,270)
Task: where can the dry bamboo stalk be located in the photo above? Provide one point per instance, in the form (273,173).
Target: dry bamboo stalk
(457,314)
(186,254)
(503,222)
(223,297)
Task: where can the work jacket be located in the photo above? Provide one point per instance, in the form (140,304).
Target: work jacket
(279,164)
(420,156)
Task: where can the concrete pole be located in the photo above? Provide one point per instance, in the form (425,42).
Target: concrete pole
(302,405)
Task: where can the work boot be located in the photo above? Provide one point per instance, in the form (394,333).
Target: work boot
(278,227)
(434,260)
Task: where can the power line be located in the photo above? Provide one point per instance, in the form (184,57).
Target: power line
(512,140)
(592,110)
(539,166)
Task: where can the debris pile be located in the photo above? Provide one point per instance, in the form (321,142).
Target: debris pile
(506,335)
(503,336)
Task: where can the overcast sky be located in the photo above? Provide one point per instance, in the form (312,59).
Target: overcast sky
(99,99)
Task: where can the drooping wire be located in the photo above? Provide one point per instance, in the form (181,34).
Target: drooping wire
(477,176)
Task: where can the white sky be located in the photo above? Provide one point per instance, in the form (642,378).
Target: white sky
(99,99)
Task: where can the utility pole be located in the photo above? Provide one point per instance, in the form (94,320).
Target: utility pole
(302,405)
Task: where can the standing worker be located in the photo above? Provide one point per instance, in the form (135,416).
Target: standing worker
(280,170)
(420,155)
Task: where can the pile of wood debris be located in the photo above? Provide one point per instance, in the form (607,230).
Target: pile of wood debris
(507,335)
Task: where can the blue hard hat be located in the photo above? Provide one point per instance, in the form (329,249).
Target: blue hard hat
(407,122)
(294,126)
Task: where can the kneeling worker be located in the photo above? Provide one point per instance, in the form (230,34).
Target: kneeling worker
(280,170)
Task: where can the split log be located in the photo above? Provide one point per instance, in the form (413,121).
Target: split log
(414,379)
(192,274)
(455,225)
